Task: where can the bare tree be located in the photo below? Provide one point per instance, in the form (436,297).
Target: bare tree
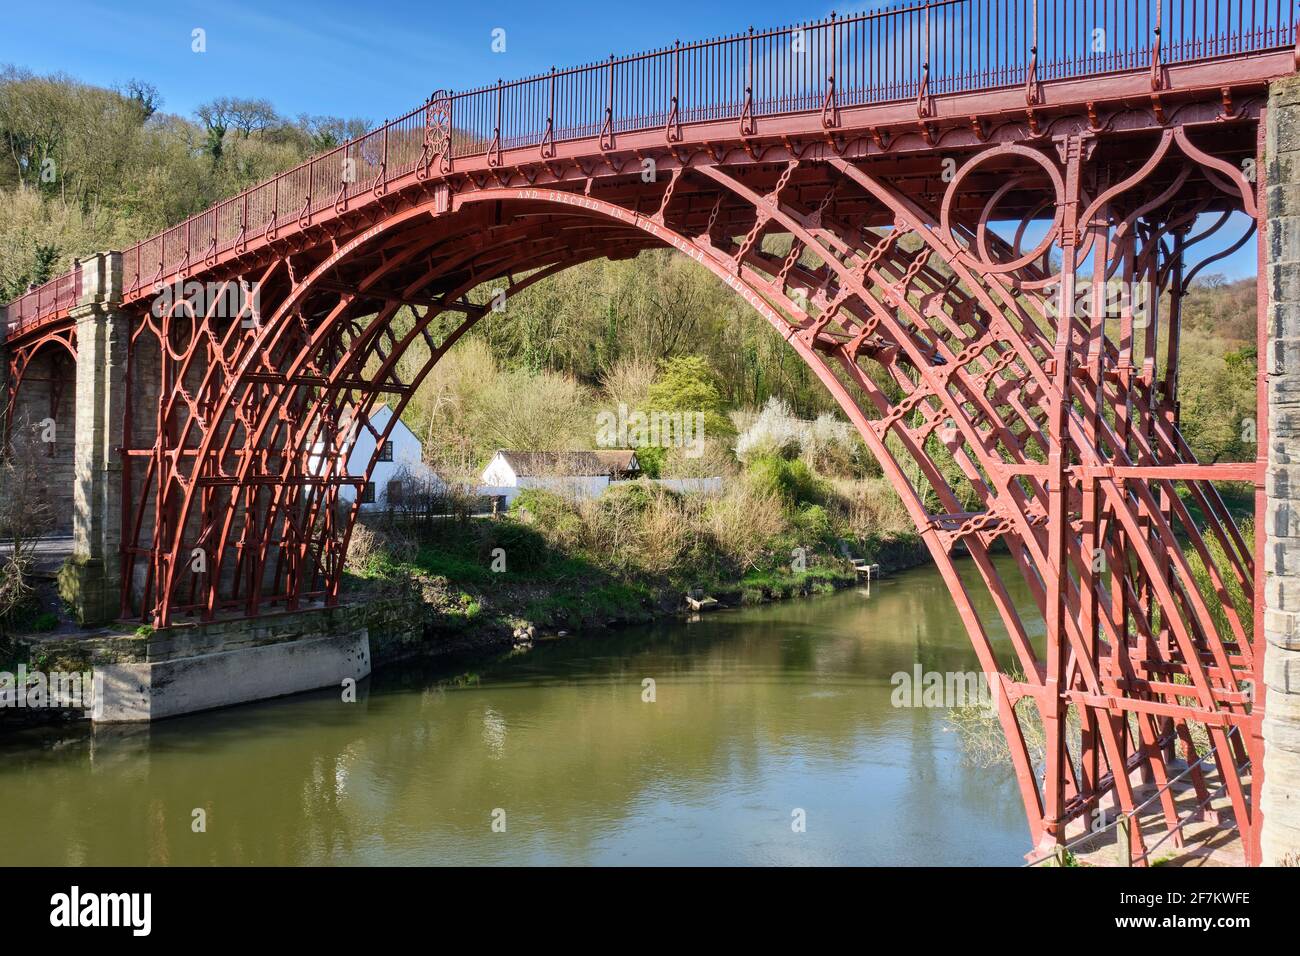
(326,132)
(144,96)
(25,517)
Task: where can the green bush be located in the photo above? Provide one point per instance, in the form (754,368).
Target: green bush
(635,498)
(542,505)
(525,548)
(554,516)
(815,523)
(790,480)
(651,459)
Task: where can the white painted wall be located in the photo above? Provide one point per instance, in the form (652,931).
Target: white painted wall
(499,474)
(408,456)
(500,480)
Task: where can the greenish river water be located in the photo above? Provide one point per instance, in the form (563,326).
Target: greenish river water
(758,714)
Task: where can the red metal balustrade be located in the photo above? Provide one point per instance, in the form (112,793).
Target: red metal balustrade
(901,53)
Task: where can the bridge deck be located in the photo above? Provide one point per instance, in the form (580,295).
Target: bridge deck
(855,82)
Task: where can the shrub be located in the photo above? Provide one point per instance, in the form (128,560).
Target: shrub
(611,525)
(826,443)
(688,384)
(634,496)
(554,517)
(744,522)
(369,548)
(666,533)
(524,546)
(793,482)
(774,433)
(815,523)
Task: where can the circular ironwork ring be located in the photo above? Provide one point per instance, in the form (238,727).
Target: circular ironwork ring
(979,257)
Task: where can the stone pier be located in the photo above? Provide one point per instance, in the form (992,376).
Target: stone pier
(1280,798)
(195,667)
(90,581)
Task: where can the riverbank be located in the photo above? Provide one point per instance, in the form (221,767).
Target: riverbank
(487,585)
(755,711)
(436,605)
(472,587)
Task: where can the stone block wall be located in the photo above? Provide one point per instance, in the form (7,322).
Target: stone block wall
(48,391)
(1280,798)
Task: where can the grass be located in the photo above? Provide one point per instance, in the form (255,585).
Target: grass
(568,564)
(1238,497)
(776,583)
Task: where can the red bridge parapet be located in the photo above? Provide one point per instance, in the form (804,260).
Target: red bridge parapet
(916,54)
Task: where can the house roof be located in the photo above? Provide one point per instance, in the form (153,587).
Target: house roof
(534,464)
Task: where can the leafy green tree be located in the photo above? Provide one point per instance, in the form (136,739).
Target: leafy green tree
(688,384)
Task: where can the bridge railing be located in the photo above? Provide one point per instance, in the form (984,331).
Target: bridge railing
(54,296)
(907,52)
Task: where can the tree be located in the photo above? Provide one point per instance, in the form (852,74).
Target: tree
(688,384)
(216,118)
(25,515)
(144,96)
(325,132)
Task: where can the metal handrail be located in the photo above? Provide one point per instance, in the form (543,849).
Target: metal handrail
(910,51)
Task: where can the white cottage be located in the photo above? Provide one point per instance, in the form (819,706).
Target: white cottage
(579,474)
(401,455)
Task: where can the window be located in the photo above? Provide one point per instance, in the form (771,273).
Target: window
(386,451)
(394,493)
(368,493)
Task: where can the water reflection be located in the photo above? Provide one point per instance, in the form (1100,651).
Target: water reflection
(758,712)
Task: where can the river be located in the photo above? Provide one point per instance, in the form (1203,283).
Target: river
(771,739)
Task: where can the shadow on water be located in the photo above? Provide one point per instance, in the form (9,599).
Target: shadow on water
(759,715)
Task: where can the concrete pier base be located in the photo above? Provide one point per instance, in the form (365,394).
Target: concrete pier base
(168,688)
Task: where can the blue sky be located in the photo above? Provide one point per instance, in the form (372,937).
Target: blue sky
(375,60)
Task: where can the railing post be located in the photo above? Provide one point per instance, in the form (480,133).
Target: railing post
(922,61)
(1031,70)
(929,43)
(494,151)
(1156,79)
(500,113)
(835,47)
(1123,842)
(550,116)
(311,186)
(607,130)
(451,132)
(749,65)
(546,146)
(747,123)
(673,128)
(830,117)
